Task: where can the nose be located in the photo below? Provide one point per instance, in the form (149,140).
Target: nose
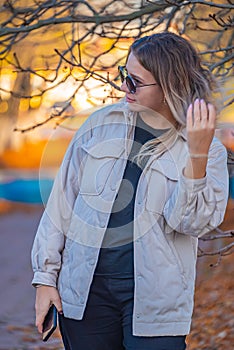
(124,87)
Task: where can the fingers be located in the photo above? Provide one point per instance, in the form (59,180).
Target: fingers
(201,115)
(45,297)
(204,114)
(212,116)
(201,118)
(42,306)
(40,316)
(196,113)
(190,117)
(57,303)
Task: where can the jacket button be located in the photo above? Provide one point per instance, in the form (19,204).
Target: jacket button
(137,315)
(92,262)
(82,300)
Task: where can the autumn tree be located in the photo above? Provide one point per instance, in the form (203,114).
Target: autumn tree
(77,45)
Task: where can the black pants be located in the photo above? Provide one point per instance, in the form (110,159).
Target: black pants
(107,322)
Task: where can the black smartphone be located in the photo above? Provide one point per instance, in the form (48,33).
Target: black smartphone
(50,323)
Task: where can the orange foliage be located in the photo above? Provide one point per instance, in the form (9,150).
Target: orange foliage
(212,327)
(228,223)
(30,154)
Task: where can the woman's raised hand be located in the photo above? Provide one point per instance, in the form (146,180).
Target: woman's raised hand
(201,120)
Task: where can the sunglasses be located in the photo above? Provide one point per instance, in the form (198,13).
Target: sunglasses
(132,85)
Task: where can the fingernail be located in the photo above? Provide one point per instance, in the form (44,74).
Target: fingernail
(60,312)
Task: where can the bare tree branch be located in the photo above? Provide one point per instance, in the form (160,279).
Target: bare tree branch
(76,45)
(97,19)
(80,43)
(221,251)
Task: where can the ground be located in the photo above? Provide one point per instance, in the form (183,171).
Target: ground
(213,320)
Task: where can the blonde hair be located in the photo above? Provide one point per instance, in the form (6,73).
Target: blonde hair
(176,67)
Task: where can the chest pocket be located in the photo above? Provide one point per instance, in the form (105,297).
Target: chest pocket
(99,163)
(163,178)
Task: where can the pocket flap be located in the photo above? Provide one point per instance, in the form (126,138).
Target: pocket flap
(102,157)
(111,148)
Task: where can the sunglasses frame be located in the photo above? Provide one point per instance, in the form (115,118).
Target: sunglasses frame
(131,85)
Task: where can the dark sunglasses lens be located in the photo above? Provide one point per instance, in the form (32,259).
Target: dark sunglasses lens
(124,76)
(130,84)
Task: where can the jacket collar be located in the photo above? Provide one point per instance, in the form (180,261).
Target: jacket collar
(122,106)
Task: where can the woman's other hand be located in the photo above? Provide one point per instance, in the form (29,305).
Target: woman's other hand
(45,297)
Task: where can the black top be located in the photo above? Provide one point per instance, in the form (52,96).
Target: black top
(116,253)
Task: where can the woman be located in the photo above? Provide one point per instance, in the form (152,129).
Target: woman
(115,250)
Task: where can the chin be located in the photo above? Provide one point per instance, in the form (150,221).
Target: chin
(136,107)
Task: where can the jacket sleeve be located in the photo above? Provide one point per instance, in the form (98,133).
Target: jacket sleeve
(197,206)
(50,237)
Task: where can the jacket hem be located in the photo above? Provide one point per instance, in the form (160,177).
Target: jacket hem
(73,311)
(161,329)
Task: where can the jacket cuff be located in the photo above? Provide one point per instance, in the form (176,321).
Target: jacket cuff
(193,185)
(44,278)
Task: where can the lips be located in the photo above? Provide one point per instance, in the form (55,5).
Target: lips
(129,100)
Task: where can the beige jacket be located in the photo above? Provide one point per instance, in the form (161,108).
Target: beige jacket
(171,212)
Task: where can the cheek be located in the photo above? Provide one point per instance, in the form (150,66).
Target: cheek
(143,95)
(150,99)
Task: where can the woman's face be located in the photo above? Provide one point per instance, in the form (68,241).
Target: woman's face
(147,96)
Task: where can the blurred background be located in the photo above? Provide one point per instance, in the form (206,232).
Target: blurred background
(58,63)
